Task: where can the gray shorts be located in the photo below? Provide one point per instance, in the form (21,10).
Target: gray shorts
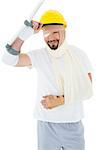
(56,136)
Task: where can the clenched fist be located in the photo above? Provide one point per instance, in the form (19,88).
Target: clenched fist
(51,101)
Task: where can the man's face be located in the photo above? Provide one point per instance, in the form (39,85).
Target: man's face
(53,35)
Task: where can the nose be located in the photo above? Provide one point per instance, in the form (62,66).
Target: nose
(51,38)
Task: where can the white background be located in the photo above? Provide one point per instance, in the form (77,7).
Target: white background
(18,85)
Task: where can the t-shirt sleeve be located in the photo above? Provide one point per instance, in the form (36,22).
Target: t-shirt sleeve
(86,62)
(31,55)
(84,59)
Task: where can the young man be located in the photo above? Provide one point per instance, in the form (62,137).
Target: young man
(64,82)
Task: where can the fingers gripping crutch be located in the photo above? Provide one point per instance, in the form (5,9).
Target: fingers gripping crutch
(26,29)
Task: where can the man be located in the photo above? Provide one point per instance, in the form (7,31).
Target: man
(64,82)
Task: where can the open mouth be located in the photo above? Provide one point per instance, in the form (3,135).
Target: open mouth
(53,44)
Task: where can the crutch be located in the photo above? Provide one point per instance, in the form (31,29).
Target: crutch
(26,23)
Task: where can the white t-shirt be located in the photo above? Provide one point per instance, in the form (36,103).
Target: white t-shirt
(47,85)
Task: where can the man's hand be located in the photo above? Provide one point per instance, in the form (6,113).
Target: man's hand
(51,101)
(36,26)
(90,76)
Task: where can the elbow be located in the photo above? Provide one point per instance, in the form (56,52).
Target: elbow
(10,59)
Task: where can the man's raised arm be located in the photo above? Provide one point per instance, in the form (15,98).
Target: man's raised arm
(13,55)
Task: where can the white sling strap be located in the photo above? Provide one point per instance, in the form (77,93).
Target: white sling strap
(75,85)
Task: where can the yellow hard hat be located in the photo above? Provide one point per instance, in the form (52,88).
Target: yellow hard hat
(53,17)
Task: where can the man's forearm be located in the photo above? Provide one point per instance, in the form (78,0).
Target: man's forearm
(12,55)
(17,44)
